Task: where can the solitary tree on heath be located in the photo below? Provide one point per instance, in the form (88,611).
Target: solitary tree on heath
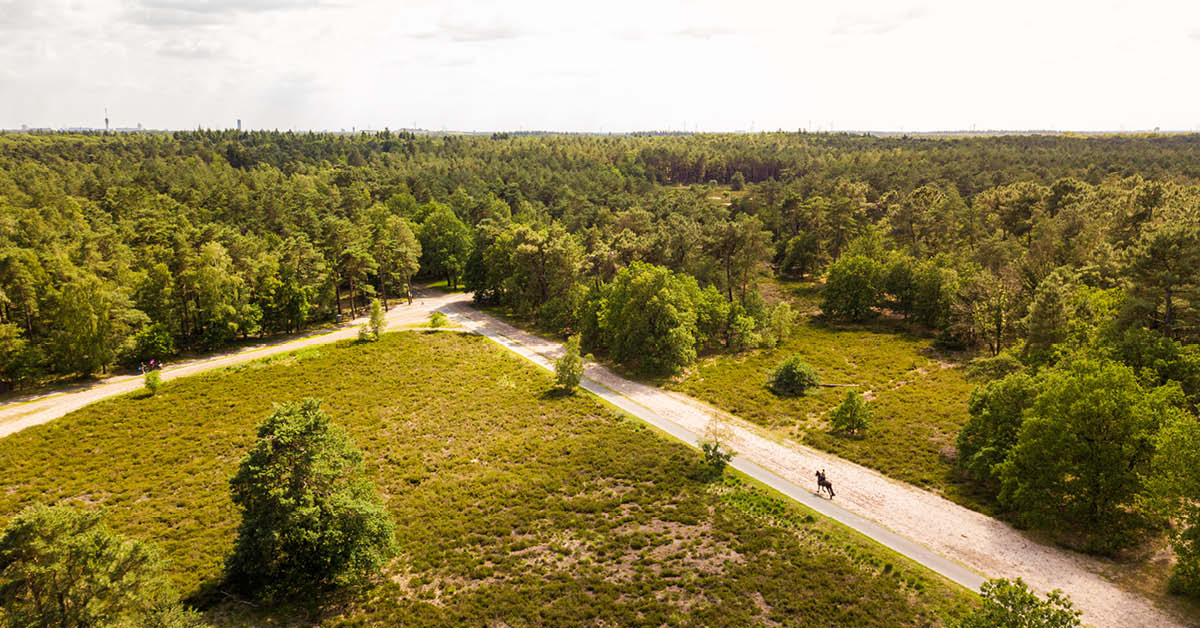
(853,415)
(568,369)
(310,518)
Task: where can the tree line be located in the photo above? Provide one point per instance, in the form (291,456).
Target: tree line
(117,249)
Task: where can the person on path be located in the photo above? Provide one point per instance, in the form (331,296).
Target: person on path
(823,484)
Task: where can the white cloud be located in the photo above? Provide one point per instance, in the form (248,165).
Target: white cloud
(877,23)
(622,65)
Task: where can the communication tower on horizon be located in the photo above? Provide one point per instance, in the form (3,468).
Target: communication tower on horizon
(106,119)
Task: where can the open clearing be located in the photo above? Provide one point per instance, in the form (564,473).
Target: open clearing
(513,506)
(919,401)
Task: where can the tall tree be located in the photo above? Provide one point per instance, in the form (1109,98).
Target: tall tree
(310,518)
(1163,272)
(1077,463)
(445,244)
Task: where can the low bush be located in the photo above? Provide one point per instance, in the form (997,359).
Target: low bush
(153,382)
(853,415)
(793,377)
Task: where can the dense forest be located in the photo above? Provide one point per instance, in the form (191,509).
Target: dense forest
(1071,265)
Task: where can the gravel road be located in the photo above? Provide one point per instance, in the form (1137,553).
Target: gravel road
(960,543)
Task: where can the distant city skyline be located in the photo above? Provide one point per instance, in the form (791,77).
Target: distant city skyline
(626,66)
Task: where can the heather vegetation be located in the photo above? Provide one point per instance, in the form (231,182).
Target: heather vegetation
(508,503)
(1061,273)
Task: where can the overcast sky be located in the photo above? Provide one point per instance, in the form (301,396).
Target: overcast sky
(601,66)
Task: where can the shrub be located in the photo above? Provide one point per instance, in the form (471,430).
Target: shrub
(152,342)
(377,321)
(364,333)
(568,369)
(793,377)
(853,415)
(153,381)
(64,567)
(741,332)
(782,321)
(1010,604)
(437,319)
(716,451)
(310,518)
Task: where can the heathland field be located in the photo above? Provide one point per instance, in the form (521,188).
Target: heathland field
(919,400)
(513,506)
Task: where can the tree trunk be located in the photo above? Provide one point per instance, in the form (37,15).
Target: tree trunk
(1169,314)
(408,282)
(337,289)
(383,290)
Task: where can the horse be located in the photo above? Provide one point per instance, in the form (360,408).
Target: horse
(824,484)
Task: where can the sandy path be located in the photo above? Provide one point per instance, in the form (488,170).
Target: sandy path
(981,543)
(927,528)
(18,415)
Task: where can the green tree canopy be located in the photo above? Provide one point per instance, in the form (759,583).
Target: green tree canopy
(1010,604)
(996,410)
(852,289)
(64,567)
(655,318)
(445,244)
(1080,452)
(310,517)
(851,416)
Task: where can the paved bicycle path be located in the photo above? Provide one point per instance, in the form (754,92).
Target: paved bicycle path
(959,543)
(963,545)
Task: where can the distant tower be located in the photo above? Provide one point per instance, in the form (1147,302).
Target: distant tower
(239,124)
(106,119)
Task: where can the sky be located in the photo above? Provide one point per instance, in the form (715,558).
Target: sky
(617,65)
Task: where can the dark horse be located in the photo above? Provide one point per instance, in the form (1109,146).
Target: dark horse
(824,484)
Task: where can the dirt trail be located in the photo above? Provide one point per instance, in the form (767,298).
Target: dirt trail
(18,415)
(965,537)
(985,545)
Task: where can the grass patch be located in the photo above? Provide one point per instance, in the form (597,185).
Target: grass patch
(511,508)
(919,401)
(444,286)
(804,296)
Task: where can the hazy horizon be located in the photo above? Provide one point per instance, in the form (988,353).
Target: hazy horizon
(463,66)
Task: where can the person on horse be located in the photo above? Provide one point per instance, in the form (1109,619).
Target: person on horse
(823,484)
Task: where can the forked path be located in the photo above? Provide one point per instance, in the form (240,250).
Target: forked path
(18,415)
(959,543)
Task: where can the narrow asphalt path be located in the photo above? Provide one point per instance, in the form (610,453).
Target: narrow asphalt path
(956,572)
(963,545)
